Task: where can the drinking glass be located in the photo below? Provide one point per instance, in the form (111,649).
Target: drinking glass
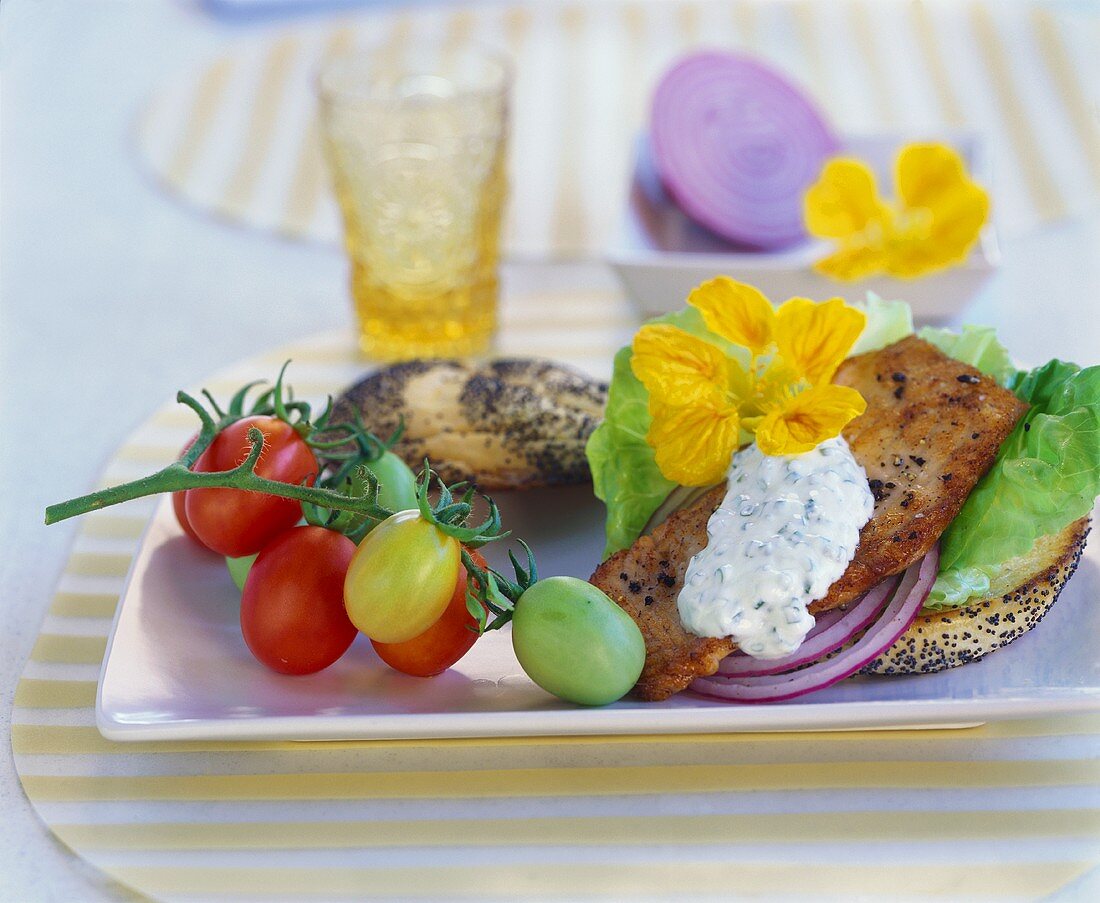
(416,152)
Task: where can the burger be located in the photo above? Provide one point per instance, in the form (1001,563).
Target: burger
(800,495)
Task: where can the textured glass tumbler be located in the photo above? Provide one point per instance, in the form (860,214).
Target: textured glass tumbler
(417,157)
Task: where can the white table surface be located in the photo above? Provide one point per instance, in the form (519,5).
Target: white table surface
(112,296)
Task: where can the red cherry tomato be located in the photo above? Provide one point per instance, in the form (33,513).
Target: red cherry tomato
(178,506)
(236,523)
(178,500)
(442,644)
(292,607)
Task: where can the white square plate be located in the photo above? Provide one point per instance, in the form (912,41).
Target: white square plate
(177,668)
(660,254)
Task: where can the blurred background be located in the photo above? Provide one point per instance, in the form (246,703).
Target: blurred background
(164,208)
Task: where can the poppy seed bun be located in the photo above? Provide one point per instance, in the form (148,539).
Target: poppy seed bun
(506,424)
(1021,594)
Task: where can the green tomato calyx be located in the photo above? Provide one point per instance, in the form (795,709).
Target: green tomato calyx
(352,441)
(451,515)
(490,592)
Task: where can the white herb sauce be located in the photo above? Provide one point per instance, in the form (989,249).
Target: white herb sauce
(784,533)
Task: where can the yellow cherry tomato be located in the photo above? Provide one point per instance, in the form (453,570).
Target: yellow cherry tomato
(401,578)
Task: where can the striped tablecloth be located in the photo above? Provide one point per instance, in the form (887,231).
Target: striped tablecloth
(237,136)
(1004,811)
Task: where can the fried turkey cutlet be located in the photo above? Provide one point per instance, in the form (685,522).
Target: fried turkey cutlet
(932,428)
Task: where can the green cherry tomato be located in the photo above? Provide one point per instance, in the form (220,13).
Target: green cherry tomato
(401,578)
(398,483)
(239,568)
(574,642)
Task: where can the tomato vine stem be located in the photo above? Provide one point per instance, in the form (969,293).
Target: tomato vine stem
(277,401)
(177,476)
(346,499)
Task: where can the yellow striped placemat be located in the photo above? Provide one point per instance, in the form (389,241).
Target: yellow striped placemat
(1007,810)
(237,137)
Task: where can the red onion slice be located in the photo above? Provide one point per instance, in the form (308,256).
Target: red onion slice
(737,145)
(900,612)
(821,622)
(822,640)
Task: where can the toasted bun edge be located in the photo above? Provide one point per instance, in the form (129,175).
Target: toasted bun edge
(1024,591)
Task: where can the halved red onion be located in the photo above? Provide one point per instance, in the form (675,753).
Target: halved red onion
(737,145)
(900,612)
(828,635)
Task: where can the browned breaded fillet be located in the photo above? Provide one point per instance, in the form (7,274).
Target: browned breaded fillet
(932,428)
(645,580)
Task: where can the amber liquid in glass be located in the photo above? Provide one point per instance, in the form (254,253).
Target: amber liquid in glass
(424,245)
(421,184)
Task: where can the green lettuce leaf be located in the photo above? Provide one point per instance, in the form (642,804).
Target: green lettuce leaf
(624,473)
(1039,386)
(887,322)
(1046,476)
(977,346)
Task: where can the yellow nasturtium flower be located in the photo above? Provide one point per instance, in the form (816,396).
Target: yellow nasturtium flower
(705,403)
(815,338)
(737,312)
(808,418)
(693,443)
(934,224)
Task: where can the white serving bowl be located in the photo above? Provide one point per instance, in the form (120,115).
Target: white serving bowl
(660,254)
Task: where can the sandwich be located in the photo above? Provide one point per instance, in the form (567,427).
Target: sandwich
(965,514)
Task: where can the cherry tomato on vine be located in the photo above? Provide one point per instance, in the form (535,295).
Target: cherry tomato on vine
(401,578)
(397,490)
(574,642)
(178,499)
(237,523)
(292,608)
(442,644)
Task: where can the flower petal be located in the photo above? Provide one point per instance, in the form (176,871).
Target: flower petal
(693,444)
(926,173)
(933,186)
(844,201)
(676,367)
(808,419)
(948,240)
(737,312)
(815,338)
(854,261)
